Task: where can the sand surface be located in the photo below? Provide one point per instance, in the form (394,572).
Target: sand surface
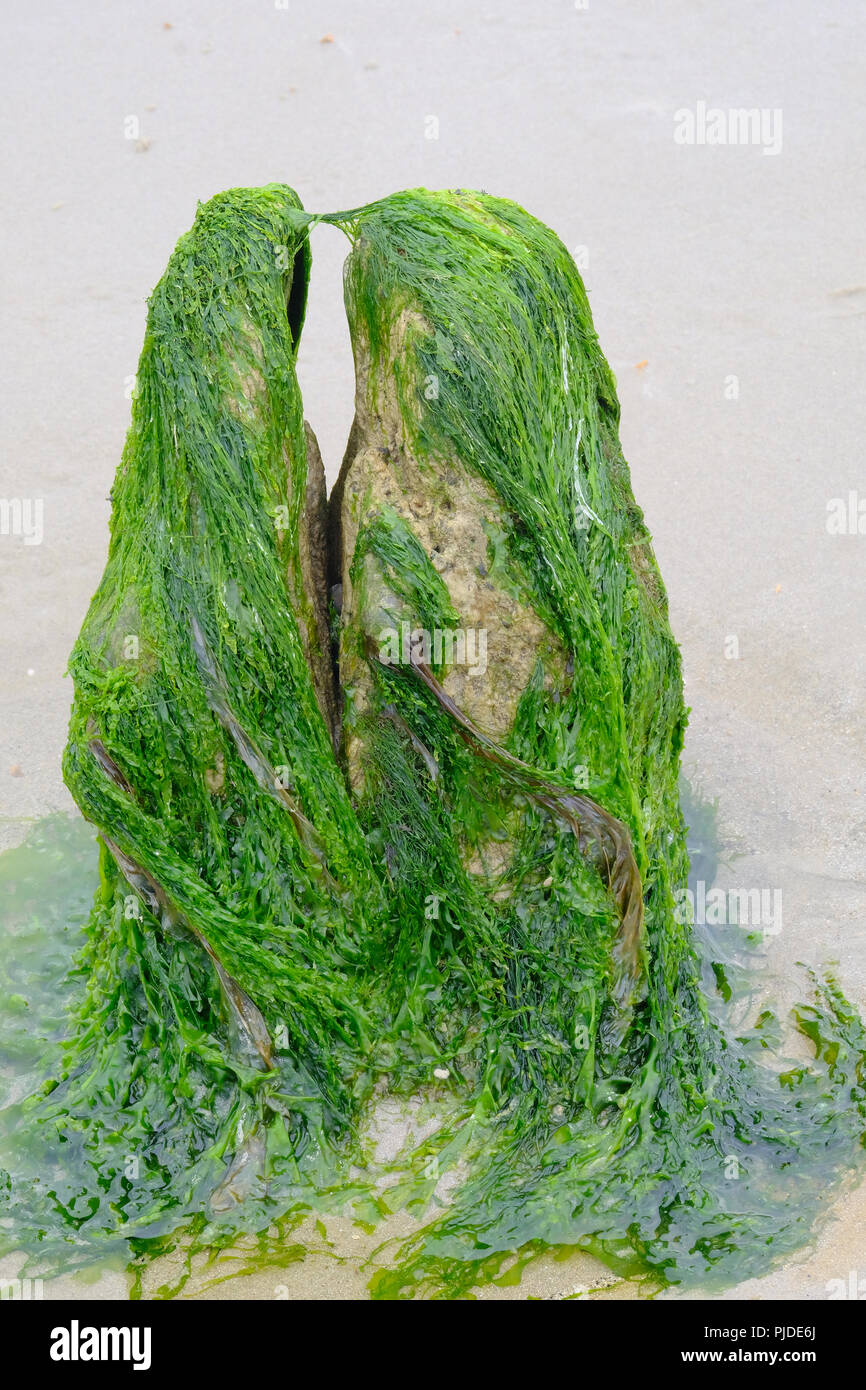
(703,264)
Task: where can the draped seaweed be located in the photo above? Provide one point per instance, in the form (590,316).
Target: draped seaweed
(300,908)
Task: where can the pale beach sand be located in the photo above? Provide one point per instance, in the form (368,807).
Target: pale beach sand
(702,263)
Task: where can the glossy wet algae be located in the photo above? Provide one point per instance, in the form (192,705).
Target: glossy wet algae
(274,942)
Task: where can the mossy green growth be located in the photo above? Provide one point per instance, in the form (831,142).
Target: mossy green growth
(267,951)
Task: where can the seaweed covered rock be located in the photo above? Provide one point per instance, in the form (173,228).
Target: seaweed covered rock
(488,538)
(236,885)
(444,865)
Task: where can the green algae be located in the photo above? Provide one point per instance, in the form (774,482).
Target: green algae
(268,951)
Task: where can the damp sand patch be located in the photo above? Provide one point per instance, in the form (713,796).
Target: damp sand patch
(323,873)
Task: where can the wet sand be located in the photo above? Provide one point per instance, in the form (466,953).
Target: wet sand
(729,292)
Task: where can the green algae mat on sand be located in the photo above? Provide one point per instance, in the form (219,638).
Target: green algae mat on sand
(387,797)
